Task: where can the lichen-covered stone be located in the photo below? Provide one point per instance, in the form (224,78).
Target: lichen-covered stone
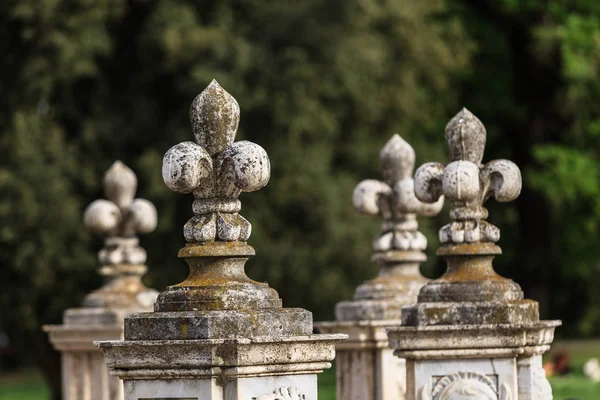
(471,331)
(215,169)
(468,183)
(218,334)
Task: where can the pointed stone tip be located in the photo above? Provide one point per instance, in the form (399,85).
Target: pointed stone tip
(120,183)
(396,145)
(214,116)
(395,138)
(215,84)
(464,113)
(117,164)
(465,137)
(397,159)
(118,167)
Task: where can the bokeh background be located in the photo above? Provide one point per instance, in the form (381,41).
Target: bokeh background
(322,85)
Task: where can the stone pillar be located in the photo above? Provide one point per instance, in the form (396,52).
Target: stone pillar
(120,219)
(366,367)
(218,334)
(471,335)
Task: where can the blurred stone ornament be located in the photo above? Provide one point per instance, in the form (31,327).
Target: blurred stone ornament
(120,218)
(394,199)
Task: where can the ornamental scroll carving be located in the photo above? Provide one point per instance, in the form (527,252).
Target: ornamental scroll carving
(282,393)
(465,386)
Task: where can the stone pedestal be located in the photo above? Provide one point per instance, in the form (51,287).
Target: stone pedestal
(366,367)
(471,334)
(502,360)
(85,377)
(84,374)
(218,335)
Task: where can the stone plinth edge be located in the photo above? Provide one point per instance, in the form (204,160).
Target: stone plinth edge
(218,324)
(373,309)
(362,335)
(201,358)
(80,338)
(472,341)
(470,313)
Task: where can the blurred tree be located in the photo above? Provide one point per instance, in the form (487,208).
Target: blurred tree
(322,86)
(535,85)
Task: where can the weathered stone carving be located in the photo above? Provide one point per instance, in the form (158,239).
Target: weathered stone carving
(467,182)
(471,318)
(463,386)
(215,169)
(120,218)
(395,200)
(283,393)
(218,334)
(468,241)
(398,250)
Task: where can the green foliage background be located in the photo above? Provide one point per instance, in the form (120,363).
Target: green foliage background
(322,85)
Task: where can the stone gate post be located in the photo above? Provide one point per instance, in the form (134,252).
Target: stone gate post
(471,335)
(120,219)
(218,334)
(366,367)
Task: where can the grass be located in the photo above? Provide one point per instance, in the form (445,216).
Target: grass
(24,385)
(576,385)
(29,385)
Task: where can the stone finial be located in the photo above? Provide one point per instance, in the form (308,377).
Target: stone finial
(467,182)
(215,169)
(394,198)
(398,250)
(120,218)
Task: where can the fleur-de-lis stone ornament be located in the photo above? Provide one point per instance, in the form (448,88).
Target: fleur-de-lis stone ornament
(218,334)
(468,241)
(394,199)
(467,182)
(216,169)
(398,250)
(120,219)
